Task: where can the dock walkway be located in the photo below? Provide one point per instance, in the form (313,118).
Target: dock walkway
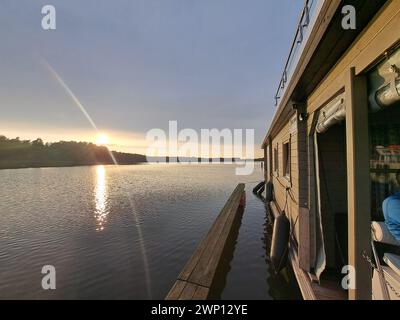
(197,277)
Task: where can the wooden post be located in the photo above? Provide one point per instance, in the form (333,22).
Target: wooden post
(358,183)
(303,207)
(266,166)
(270,163)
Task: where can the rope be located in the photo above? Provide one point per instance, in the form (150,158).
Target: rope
(282,185)
(380,272)
(287,193)
(292,228)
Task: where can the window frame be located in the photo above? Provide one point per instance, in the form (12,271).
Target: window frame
(276,159)
(287,159)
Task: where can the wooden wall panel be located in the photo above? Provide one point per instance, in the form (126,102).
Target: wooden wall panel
(371,44)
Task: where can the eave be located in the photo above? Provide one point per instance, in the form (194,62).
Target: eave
(327,43)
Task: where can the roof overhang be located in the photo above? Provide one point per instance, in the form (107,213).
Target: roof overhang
(327,42)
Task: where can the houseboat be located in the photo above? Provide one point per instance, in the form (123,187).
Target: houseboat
(332,150)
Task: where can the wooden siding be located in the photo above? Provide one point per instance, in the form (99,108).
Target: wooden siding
(381,34)
(287,134)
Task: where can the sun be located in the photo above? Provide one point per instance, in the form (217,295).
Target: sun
(102,139)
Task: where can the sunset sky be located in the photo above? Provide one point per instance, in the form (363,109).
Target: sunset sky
(136,64)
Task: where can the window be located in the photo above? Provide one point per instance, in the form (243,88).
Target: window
(384,128)
(286,159)
(276,160)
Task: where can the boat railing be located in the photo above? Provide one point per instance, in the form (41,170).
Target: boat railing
(307,20)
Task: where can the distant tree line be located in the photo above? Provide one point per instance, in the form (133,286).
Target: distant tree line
(16,153)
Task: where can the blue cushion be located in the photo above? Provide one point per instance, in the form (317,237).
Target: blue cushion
(391,211)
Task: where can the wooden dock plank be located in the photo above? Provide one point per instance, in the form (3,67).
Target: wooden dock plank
(176,290)
(205,270)
(201,293)
(196,278)
(188,291)
(208,241)
(219,248)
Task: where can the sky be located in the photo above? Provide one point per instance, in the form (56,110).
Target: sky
(135,65)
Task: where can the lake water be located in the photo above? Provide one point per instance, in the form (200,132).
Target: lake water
(126,232)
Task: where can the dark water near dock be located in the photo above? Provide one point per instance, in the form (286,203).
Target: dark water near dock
(126,232)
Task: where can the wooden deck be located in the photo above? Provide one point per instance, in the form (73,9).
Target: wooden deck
(197,277)
(310,290)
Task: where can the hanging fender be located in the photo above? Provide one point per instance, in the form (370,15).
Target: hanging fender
(280,242)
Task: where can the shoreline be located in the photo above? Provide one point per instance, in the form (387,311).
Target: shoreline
(128,164)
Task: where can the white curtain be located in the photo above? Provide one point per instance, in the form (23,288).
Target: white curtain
(333,113)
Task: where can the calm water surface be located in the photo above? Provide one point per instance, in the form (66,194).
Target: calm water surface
(126,232)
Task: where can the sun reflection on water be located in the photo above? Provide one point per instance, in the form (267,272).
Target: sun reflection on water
(100,198)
